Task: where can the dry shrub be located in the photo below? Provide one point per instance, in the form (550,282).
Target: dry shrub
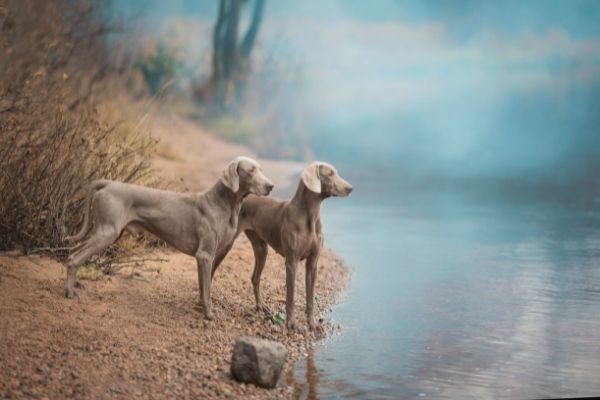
(55,137)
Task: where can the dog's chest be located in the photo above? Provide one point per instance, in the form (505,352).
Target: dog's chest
(228,232)
(306,247)
(302,239)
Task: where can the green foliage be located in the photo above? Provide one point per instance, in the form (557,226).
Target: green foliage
(158,68)
(90,271)
(278,318)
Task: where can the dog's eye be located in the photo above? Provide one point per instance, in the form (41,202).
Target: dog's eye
(253,169)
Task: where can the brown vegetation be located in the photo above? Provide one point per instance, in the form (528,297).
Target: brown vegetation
(55,138)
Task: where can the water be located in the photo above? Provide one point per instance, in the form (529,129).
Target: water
(460,296)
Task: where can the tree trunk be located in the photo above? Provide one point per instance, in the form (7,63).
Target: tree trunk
(250,37)
(230,59)
(217,58)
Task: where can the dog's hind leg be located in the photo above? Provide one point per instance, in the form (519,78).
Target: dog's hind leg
(260,249)
(311,279)
(101,239)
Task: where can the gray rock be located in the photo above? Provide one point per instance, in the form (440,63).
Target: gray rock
(258,361)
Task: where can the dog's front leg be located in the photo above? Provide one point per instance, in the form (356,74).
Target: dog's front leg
(219,259)
(205,261)
(290,280)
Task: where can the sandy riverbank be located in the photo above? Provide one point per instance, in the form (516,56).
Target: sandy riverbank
(140,333)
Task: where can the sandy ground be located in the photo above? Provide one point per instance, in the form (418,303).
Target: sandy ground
(140,333)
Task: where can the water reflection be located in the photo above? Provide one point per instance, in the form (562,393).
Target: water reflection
(307,387)
(456,298)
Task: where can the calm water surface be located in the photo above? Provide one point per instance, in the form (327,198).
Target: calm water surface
(453,296)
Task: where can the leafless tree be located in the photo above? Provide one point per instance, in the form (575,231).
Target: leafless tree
(231,56)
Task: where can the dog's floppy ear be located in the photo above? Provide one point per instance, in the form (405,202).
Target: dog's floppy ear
(230,177)
(310,177)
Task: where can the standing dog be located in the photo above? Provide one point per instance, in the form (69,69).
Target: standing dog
(202,225)
(293,229)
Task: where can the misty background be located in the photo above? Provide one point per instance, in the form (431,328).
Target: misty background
(499,94)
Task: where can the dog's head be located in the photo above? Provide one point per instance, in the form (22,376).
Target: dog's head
(244,175)
(321,177)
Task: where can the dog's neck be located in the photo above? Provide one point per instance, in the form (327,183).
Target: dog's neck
(232,200)
(307,201)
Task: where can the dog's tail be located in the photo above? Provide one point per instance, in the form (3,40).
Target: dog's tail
(94,187)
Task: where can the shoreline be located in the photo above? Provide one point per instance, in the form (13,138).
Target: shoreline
(140,333)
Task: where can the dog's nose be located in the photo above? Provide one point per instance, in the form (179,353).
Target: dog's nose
(349,189)
(269,187)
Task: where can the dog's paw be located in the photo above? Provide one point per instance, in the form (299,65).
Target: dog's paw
(265,310)
(71,294)
(291,324)
(209,315)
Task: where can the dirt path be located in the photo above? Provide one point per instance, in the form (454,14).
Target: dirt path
(140,333)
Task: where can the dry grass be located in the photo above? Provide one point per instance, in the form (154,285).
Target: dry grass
(167,152)
(59,132)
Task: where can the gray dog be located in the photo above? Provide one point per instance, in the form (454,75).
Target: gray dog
(293,229)
(202,225)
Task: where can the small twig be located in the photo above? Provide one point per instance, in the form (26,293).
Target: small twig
(51,249)
(140,260)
